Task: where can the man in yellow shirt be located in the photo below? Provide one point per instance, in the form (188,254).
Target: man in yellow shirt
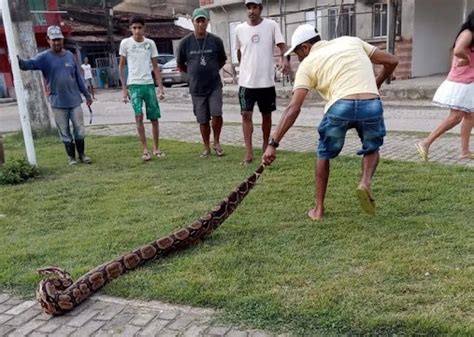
(341,71)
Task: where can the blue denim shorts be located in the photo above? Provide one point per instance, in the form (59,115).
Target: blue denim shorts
(366,116)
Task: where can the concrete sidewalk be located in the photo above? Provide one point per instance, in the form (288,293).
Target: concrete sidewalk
(397,146)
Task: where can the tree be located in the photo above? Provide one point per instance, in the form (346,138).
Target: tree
(22,26)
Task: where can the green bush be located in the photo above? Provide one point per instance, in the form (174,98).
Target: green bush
(17,172)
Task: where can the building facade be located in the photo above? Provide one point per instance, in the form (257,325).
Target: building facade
(424,29)
(44,13)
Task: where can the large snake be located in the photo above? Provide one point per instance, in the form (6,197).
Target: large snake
(57,293)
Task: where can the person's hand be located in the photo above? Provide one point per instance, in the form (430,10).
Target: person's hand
(161,95)
(269,156)
(125,96)
(284,66)
(89,101)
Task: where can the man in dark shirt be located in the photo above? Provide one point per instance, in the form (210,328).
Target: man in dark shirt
(202,55)
(65,85)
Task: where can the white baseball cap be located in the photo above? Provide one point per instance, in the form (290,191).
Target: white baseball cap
(257,2)
(302,34)
(54,32)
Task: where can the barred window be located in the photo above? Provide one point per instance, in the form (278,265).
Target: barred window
(379,22)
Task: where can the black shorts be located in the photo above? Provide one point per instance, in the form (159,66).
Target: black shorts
(265,98)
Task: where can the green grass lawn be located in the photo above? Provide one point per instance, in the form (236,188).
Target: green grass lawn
(408,270)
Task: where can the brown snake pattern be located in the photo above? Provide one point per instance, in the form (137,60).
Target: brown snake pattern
(58,294)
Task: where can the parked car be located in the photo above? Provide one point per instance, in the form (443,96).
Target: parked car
(164,58)
(170,74)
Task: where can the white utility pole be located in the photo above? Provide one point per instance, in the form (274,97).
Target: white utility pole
(20,92)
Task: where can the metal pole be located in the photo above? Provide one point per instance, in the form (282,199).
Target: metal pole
(464,14)
(316,14)
(18,83)
(2,153)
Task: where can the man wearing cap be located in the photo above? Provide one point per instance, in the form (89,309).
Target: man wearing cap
(202,55)
(341,71)
(255,41)
(65,85)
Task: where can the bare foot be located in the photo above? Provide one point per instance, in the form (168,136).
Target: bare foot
(246,161)
(315,214)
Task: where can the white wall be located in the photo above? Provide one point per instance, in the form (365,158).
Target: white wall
(436,25)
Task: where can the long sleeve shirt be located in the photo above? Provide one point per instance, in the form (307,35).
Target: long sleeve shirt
(63,76)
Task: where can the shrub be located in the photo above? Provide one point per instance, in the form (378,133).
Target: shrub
(17,172)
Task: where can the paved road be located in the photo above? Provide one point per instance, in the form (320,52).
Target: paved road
(406,115)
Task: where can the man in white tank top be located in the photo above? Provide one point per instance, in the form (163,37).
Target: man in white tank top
(255,41)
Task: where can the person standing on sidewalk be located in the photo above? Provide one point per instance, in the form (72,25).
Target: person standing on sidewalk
(87,72)
(141,55)
(255,41)
(65,85)
(202,55)
(457,93)
(341,71)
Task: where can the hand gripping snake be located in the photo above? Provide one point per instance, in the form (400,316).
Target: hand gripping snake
(57,293)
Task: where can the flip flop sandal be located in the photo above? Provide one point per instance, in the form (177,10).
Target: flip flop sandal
(422,151)
(146,156)
(219,152)
(205,154)
(159,154)
(467,156)
(367,201)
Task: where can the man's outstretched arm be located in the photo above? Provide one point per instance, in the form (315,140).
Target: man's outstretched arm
(389,63)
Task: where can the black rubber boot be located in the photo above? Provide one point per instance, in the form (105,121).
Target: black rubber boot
(80,145)
(71,152)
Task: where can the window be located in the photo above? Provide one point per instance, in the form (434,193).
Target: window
(379,26)
(341,21)
(314,20)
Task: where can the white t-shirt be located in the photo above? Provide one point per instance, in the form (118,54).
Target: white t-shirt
(256,44)
(87,71)
(139,55)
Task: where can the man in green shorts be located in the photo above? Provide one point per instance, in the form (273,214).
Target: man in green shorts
(141,54)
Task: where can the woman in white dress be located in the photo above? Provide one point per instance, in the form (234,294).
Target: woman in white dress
(457,93)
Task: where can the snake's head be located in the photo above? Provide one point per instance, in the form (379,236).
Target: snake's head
(55,273)
(49,290)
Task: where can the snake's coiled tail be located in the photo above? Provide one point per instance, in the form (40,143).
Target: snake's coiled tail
(57,293)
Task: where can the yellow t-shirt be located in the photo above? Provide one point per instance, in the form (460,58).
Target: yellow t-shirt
(338,68)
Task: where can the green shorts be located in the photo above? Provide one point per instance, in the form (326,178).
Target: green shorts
(140,93)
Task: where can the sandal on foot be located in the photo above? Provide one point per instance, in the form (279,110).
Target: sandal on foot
(146,156)
(205,154)
(219,152)
(467,156)
(159,154)
(422,151)
(367,201)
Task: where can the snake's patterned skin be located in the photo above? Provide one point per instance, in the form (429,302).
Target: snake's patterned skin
(57,293)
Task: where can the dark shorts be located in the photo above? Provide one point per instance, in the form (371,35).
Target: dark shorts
(366,116)
(206,107)
(265,98)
